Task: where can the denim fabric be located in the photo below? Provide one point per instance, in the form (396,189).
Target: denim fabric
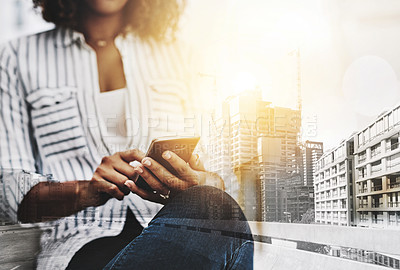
(201,228)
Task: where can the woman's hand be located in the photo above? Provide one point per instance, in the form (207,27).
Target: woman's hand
(165,184)
(109,178)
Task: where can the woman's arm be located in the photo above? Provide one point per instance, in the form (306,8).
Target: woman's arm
(52,200)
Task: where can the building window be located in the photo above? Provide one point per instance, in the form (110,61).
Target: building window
(377,201)
(362,156)
(375,150)
(390,119)
(392,143)
(373,131)
(360,139)
(362,172)
(363,216)
(376,166)
(342,166)
(377,217)
(363,187)
(393,161)
(396,117)
(379,126)
(366,135)
(386,122)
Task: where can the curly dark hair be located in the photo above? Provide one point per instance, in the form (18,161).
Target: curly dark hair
(157,19)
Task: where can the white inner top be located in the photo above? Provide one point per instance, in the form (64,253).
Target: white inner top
(112,106)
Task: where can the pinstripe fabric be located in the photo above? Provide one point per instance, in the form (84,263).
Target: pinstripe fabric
(50,125)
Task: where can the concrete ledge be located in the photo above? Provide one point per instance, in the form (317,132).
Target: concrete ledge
(378,240)
(277,257)
(19,246)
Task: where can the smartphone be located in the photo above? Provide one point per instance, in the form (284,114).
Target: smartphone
(183,147)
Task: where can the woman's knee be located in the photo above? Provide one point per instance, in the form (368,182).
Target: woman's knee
(206,202)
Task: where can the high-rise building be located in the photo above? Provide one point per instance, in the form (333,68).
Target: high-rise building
(244,114)
(311,152)
(297,188)
(333,185)
(279,159)
(270,162)
(298,198)
(377,172)
(220,157)
(261,143)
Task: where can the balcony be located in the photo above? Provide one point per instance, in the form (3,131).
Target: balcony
(376,188)
(361,159)
(393,162)
(376,169)
(375,153)
(377,221)
(363,205)
(363,190)
(394,204)
(377,205)
(394,185)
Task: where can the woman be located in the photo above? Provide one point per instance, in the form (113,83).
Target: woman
(79,102)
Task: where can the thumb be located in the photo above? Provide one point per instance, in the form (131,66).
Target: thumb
(195,163)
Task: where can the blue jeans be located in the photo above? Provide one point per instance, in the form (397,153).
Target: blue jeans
(200,228)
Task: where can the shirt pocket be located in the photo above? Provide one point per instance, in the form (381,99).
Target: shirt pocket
(57,123)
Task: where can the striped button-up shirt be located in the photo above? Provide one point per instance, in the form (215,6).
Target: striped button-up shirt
(49,124)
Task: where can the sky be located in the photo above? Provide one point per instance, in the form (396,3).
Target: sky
(349,56)
(349,59)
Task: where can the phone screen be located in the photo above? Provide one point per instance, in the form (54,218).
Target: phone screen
(183,147)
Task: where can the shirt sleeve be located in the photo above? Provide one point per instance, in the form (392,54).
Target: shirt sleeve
(16,153)
(15,184)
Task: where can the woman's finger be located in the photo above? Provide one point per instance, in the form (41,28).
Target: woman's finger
(132,155)
(103,185)
(162,174)
(195,163)
(147,195)
(109,174)
(154,183)
(185,172)
(125,169)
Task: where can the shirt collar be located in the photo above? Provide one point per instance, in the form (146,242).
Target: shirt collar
(65,37)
